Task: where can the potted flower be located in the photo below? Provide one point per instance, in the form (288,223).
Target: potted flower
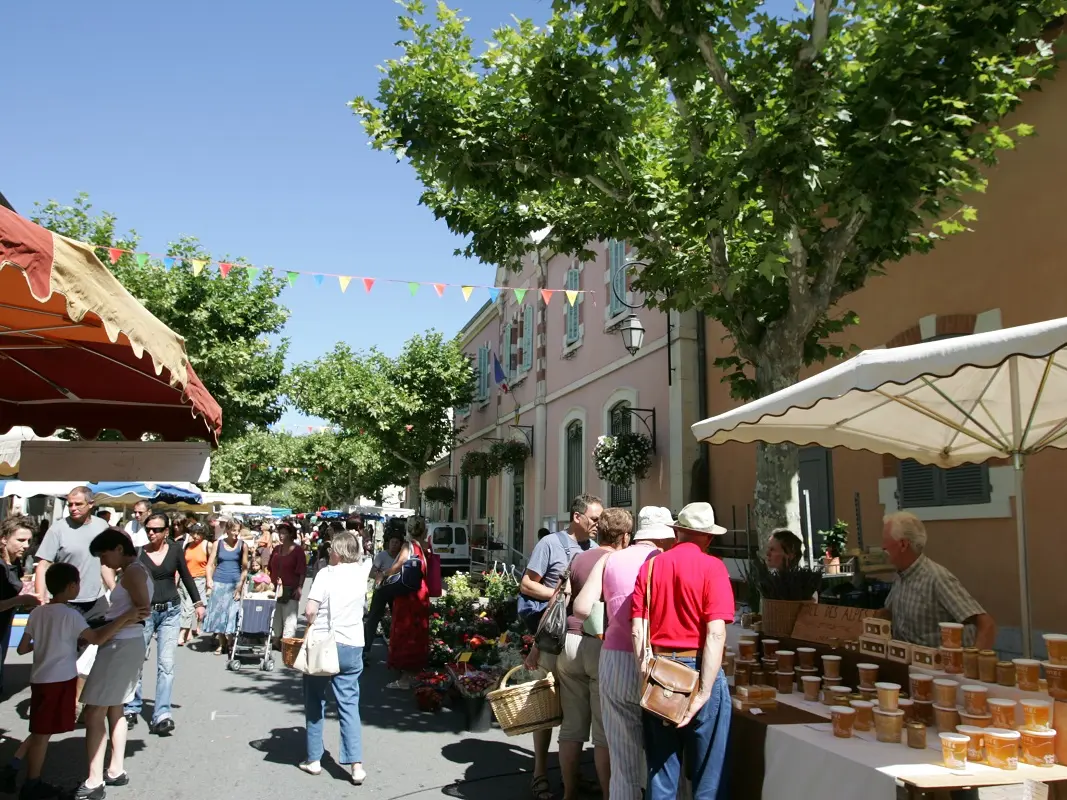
(439,494)
(509,454)
(428,699)
(473,687)
(478,464)
(622,458)
(833,542)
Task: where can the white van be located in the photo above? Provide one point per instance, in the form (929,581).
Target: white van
(450,541)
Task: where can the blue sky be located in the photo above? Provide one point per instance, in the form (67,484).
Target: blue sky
(228,121)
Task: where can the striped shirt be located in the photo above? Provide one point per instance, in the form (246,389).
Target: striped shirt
(924,595)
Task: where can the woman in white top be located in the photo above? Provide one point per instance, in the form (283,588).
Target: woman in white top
(114,675)
(335,605)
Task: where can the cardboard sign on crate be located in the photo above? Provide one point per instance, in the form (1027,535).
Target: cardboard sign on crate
(824,623)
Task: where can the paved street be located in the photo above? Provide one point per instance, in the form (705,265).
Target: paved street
(246,732)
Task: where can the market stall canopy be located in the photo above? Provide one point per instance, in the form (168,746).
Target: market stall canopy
(11,448)
(110,491)
(77,350)
(946,402)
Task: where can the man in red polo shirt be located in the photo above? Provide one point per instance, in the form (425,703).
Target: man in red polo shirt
(692,602)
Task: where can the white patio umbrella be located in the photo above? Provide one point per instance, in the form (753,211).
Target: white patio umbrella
(947,402)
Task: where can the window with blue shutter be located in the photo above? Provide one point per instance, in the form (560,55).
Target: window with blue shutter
(527,337)
(483,373)
(926,486)
(573,328)
(616,277)
(508,352)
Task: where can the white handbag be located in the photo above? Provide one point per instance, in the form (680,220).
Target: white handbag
(318,655)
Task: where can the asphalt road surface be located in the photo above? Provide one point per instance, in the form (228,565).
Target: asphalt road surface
(241,735)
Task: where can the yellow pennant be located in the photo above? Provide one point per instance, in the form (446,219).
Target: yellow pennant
(572,296)
(344,280)
(198,265)
(467,292)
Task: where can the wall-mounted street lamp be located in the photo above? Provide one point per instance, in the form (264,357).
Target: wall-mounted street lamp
(633,332)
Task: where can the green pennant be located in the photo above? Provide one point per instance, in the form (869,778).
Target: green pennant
(413,287)
(519,294)
(252,273)
(292,276)
(142,259)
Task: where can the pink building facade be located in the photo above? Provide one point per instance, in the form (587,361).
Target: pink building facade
(569,381)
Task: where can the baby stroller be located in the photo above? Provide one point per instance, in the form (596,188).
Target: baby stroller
(255,625)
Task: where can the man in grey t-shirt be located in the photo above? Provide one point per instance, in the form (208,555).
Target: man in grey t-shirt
(67,542)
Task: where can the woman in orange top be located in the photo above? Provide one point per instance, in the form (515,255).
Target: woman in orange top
(197,553)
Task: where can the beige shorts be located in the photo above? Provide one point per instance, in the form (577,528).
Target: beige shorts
(577,670)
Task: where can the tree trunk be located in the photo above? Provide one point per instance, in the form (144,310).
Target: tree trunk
(412,496)
(777,502)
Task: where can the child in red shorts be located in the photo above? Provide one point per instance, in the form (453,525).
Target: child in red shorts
(52,634)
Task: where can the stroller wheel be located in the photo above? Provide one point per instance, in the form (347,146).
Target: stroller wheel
(234,665)
(268,665)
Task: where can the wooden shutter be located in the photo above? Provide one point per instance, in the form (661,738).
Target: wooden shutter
(616,277)
(508,351)
(514,352)
(966,485)
(573,328)
(918,485)
(527,337)
(925,486)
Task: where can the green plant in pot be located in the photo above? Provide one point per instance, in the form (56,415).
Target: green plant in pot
(509,454)
(478,464)
(784,592)
(834,541)
(444,495)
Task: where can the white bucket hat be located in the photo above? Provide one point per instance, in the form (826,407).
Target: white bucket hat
(698,518)
(653,523)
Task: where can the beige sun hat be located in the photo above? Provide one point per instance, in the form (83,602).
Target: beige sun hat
(698,518)
(653,523)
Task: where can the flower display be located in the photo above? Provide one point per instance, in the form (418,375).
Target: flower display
(475,683)
(427,699)
(621,458)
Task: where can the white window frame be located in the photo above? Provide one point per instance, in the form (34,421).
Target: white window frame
(578,414)
(615,309)
(506,349)
(528,326)
(629,395)
(483,375)
(571,345)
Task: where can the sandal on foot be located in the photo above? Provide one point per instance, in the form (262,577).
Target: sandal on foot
(540,788)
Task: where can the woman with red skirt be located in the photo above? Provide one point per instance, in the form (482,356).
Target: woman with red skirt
(409,636)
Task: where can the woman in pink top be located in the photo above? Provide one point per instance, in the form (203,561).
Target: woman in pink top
(612,579)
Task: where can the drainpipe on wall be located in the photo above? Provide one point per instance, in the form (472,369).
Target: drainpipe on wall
(700,490)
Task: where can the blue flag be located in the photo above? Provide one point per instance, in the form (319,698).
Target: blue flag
(498,374)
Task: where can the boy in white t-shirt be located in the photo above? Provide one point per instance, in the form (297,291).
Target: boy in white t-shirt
(52,633)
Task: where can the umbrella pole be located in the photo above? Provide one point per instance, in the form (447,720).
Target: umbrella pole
(1024,564)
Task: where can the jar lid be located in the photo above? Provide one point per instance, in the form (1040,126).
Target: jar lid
(970,649)
(987,652)
(1005,664)
(1001,733)
(917,726)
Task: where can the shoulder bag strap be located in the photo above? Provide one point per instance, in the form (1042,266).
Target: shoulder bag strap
(648,608)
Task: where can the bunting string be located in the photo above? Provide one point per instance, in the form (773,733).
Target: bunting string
(199,265)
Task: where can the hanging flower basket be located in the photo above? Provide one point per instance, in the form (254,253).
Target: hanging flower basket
(622,458)
(439,494)
(478,464)
(509,454)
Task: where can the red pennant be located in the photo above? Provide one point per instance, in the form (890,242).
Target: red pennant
(368,283)
(310,429)
(115,253)
(255,466)
(409,427)
(547,295)
(440,289)
(225,268)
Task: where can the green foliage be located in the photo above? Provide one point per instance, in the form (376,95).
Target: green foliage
(403,403)
(444,495)
(509,454)
(459,593)
(791,582)
(751,574)
(835,539)
(226,322)
(478,464)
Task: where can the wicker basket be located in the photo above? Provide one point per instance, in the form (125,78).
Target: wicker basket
(527,707)
(779,616)
(290,648)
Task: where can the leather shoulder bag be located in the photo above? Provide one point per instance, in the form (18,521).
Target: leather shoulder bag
(668,686)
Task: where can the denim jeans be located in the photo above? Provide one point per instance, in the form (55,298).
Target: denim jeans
(346,691)
(165,626)
(703,741)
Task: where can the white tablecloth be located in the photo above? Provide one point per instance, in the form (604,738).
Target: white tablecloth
(808,761)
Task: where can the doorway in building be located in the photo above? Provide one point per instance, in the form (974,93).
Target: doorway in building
(518,508)
(817,480)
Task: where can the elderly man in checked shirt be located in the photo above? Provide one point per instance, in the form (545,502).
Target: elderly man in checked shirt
(925,593)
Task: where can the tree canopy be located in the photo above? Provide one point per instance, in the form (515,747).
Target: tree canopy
(227,322)
(403,404)
(764,167)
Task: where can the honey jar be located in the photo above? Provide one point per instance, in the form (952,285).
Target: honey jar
(916,735)
(970,663)
(987,666)
(1005,673)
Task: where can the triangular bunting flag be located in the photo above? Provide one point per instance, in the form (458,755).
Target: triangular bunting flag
(115,253)
(251,272)
(547,295)
(344,280)
(494,293)
(368,283)
(198,265)
(572,296)
(168,263)
(467,292)
(142,259)
(292,276)
(319,279)
(413,287)
(519,294)
(440,289)
(224,268)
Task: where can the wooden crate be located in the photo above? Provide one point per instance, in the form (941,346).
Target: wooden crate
(929,657)
(877,628)
(899,651)
(874,646)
